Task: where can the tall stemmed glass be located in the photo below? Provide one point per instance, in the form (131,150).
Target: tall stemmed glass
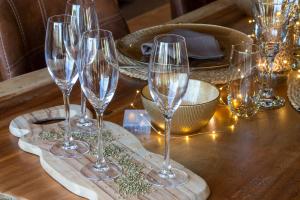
(63,71)
(86,18)
(168,80)
(99,77)
(272,17)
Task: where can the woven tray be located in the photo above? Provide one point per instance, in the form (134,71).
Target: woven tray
(137,69)
(67,171)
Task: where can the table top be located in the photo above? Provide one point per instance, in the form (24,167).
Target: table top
(245,159)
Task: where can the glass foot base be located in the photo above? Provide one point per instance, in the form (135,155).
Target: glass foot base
(85,122)
(110,172)
(178,177)
(272,103)
(75,150)
(90,129)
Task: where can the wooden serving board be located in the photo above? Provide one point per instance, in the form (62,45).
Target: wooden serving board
(67,171)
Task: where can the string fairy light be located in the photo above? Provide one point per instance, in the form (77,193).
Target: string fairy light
(235,117)
(135,96)
(214,135)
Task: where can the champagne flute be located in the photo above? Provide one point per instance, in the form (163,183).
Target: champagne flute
(168,80)
(63,71)
(272,17)
(86,18)
(99,77)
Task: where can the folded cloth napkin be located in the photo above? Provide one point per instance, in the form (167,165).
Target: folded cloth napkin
(199,45)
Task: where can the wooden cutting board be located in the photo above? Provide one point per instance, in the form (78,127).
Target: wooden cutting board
(67,171)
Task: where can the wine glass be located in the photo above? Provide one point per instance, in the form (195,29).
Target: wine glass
(272,17)
(63,71)
(86,18)
(168,80)
(99,77)
(243,92)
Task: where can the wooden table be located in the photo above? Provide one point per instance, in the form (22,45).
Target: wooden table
(254,159)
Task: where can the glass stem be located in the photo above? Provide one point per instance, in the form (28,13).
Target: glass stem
(83,108)
(166,169)
(269,72)
(270,51)
(67,135)
(267,90)
(100,162)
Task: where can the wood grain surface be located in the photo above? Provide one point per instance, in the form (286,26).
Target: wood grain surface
(256,159)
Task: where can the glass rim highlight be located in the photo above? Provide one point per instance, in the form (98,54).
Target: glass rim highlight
(60,18)
(234,48)
(157,38)
(86,33)
(90,2)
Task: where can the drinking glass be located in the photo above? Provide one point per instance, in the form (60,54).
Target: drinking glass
(86,18)
(99,77)
(272,17)
(243,97)
(63,71)
(168,80)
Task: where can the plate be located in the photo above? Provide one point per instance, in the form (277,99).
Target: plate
(130,45)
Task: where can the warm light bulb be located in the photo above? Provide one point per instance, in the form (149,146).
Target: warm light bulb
(214,136)
(187,138)
(235,117)
(159,140)
(137,91)
(235,103)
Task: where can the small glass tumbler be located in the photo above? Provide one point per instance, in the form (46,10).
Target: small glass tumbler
(243,93)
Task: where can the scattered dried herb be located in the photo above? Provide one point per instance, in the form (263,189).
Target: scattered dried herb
(132,181)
